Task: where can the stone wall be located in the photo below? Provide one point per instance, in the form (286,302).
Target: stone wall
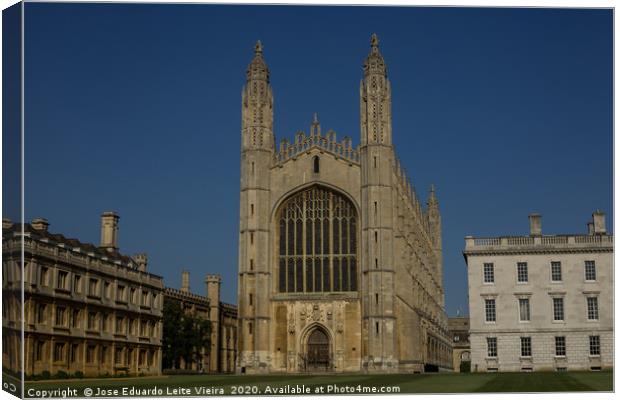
(572,252)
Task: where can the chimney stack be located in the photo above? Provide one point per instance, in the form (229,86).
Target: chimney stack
(598,219)
(40,224)
(6,223)
(185,281)
(109,231)
(535,224)
(142,260)
(590,228)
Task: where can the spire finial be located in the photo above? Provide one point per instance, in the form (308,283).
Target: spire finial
(432,199)
(257,69)
(315,128)
(374,42)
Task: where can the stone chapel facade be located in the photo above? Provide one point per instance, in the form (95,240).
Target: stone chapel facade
(340,265)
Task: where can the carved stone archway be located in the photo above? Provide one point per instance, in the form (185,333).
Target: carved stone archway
(317,349)
(318,352)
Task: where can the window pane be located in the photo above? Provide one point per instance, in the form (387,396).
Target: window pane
(560,346)
(282,277)
(522,275)
(590,271)
(353,237)
(595,345)
(492,347)
(337,286)
(556,271)
(344,267)
(298,238)
(326,275)
(490,310)
(336,236)
(526,347)
(309,277)
(317,237)
(291,237)
(345,237)
(291,275)
(282,237)
(325,236)
(592,308)
(353,274)
(317,275)
(309,231)
(299,275)
(489,273)
(524,309)
(558,309)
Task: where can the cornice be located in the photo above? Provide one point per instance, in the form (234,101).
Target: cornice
(545,250)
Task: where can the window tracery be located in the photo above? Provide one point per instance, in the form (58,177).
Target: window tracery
(317,243)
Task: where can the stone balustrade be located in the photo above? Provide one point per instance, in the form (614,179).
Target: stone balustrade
(538,242)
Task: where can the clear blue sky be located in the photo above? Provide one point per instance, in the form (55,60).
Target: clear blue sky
(136,108)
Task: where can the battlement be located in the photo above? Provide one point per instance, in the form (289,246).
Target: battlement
(185,296)
(329,143)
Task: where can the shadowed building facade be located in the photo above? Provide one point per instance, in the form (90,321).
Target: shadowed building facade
(197,306)
(340,264)
(223,318)
(221,356)
(88,309)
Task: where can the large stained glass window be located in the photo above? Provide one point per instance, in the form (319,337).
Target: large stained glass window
(317,243)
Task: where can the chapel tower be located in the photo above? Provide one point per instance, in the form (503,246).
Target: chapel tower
(376,160)
(257,143)
(339,264)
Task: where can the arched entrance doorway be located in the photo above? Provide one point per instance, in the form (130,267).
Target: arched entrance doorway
(317,356)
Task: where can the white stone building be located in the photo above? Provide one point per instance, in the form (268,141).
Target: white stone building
(340,263)
(541,302)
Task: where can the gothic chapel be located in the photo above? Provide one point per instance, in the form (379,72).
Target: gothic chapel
(340,265)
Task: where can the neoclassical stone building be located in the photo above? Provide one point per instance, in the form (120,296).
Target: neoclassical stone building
(88,309)
(340,264)
(541,302)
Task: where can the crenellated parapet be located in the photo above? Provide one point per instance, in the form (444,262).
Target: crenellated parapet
(328,142)
(181,295)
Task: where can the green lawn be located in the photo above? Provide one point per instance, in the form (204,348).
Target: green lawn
(425,383)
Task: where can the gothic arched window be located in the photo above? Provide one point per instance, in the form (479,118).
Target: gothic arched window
(317,233)
(315,164)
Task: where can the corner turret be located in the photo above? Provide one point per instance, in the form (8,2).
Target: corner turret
(257,104)
(375,99)
(257,155)
(434,227)
(376,155)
